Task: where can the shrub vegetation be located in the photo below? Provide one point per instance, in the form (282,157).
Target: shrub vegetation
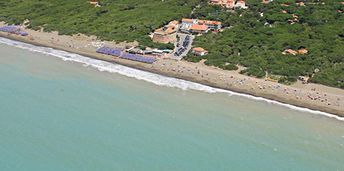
(118,20)
(257,36)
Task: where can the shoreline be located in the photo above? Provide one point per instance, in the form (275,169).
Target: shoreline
(206,75)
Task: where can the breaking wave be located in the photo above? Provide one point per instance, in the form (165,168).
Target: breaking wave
(147,76)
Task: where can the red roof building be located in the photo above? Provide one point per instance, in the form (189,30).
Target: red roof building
(199,51)
(197,28)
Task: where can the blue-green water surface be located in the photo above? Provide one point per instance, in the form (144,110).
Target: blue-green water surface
(57,115)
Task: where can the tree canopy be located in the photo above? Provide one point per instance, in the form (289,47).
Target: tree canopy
(257,36)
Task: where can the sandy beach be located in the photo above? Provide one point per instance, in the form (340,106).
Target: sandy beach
(312,96)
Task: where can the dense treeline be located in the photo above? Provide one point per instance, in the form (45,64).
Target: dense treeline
(118,20)
(258,35)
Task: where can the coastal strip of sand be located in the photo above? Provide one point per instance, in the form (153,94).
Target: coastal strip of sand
(312,96)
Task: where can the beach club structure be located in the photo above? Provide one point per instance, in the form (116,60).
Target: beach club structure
(199,26)
(13,30)
(119,53)
(166,34)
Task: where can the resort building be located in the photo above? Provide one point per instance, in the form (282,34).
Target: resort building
(212,25)
(186,24)
(199,26)
(230,4)
(198,51)
(166,34)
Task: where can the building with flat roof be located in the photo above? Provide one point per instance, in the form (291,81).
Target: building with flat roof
(197,28)
(166,34)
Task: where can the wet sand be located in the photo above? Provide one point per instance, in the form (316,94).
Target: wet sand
(312,96)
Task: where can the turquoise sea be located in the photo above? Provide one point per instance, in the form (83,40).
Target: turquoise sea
(60,115)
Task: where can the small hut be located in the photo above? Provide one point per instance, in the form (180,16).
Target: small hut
(199,51)
(95,3)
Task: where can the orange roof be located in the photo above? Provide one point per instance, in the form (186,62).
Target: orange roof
(187,20)
(198,49)
(209,22)
(302,51)
(199,27)
(165,30)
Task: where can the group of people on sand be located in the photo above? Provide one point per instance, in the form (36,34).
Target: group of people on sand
(261,85)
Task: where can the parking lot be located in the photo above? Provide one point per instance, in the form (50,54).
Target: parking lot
(183,46)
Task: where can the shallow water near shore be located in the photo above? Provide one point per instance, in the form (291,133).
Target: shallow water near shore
(57,115)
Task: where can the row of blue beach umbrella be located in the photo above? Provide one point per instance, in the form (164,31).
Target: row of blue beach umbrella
(13,29)
(124,55)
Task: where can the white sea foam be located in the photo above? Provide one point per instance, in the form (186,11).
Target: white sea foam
(147,76)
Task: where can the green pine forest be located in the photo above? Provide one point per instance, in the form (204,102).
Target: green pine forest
(254,38)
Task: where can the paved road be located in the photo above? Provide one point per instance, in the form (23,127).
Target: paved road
(179,45)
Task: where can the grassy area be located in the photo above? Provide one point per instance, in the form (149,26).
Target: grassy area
(118,20)
(259,34)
